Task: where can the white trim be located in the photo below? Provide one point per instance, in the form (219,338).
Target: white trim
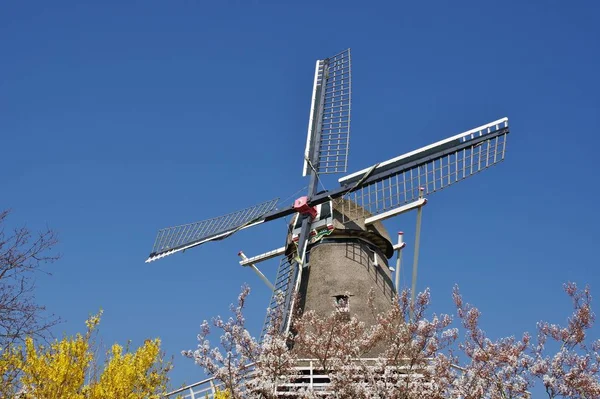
(396,211)
(462,136)
(311,117)
(399,246)
(262,257)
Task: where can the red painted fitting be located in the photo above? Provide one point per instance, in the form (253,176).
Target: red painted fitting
(301,205)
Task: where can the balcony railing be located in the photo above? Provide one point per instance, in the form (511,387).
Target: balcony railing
(308,376)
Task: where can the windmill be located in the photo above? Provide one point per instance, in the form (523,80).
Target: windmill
(347,218)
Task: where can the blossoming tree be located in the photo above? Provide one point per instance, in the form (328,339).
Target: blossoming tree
(419,355)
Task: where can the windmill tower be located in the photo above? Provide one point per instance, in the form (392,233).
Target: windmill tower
(337,248)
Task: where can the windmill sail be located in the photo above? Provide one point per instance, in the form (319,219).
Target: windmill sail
(288,276)
(179,238)
(328,137)
(398,181)
(385,186)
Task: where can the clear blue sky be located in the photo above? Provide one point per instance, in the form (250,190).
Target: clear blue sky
(119,118)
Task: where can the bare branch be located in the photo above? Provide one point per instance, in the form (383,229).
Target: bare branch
(22,255)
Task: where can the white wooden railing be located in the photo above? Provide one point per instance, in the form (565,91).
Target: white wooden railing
(309,376)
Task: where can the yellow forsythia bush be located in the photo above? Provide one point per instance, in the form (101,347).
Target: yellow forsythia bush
(67,369)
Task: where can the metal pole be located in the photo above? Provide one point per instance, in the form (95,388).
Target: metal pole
(297,266)
(312,190)
(416,254)
(316,131)
(262,277)
(258,272)
(399,260)
(303,239)
(311,375)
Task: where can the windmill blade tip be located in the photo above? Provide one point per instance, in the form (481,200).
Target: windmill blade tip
(152,257)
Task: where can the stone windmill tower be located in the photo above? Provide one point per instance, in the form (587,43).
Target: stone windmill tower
(337,248)
(344,266)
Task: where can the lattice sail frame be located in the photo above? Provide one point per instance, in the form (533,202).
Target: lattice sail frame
(435,173)
(368,192)
(329,121)
(179,238)
(335,129)
(286,284)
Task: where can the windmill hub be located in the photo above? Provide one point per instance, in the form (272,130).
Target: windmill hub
(301,206)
